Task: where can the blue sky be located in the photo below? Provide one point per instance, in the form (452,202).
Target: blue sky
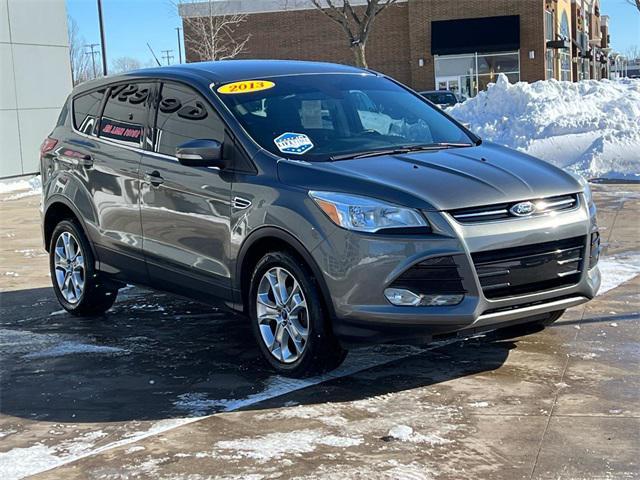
(624,25)
(130,24)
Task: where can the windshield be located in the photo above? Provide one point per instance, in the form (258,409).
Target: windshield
(325,116)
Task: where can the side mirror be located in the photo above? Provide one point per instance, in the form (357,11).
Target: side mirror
(200,153)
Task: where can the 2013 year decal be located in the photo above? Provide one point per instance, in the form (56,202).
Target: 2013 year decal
(246,86)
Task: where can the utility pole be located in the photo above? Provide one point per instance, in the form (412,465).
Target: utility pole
(167,56)
(104,46)
(93,52)
(179,48)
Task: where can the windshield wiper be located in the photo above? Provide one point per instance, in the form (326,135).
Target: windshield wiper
(369,153)
(435,146)
(403,149)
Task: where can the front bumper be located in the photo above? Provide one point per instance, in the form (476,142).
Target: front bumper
(357,269)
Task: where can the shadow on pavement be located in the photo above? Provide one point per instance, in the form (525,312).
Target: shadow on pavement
(156,356)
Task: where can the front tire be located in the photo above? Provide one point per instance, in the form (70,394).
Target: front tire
(75,280)
(288,318)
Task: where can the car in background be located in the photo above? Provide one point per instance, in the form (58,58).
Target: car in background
(442,98)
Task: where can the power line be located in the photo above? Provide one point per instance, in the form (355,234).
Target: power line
(93,53)
(167,56)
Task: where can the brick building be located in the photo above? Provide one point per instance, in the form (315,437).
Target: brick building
(461,45)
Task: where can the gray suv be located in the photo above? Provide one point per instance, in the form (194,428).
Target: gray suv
(329,204)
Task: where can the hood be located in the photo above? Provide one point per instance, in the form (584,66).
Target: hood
(440,179)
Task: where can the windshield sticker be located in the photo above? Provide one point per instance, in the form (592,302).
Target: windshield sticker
(246,86)
(294,143)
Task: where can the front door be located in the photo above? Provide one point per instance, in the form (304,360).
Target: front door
(185,211)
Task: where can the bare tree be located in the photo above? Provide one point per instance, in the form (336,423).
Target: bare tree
(125,64)
(356,27)
(212,33)
(632,52)
(635,3)
(80,71)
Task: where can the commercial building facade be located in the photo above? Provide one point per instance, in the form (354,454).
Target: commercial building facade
(35,79)
(461,45)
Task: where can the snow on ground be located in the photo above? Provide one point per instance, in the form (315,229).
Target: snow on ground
(72,348)
(405,433)
(589,127)
(618,269)
(20,187)
(274,446)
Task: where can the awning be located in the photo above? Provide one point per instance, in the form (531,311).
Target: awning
(483,35)
(559,44)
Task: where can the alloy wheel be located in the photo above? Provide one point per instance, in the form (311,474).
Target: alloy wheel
(282,314)
(69,266)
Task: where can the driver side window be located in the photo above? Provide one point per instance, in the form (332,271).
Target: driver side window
(183,115)
(370,116)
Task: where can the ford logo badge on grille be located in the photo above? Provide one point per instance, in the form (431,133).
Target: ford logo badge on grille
(523,209)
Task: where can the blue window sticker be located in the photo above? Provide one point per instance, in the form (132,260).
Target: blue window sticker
(294,143)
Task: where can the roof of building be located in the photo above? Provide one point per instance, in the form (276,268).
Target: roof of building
(232,7)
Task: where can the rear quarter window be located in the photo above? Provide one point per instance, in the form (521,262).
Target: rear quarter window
(125,114)
(86,109)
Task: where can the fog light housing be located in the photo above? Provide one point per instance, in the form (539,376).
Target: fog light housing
(406,298)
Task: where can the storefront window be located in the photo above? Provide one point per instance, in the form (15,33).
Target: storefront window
(565,55)
(467,74)
(549,36)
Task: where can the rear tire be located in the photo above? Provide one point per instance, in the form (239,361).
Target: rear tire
(288,318)
(75,281)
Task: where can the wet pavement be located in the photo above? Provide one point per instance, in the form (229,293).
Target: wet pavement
(162,387)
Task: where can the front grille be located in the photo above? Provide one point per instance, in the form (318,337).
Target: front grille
(502,211)
(531,268)
(437,275)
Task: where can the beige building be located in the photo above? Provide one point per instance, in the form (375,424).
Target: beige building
(35,79)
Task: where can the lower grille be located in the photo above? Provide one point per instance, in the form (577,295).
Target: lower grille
(437,275)
(531,268)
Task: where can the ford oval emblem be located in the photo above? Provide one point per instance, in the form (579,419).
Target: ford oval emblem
(523,209)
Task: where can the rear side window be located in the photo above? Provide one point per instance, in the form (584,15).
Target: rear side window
(125,113)
(86,109)
(183,115)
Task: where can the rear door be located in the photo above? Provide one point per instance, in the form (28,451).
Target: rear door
(185,210)
(110,131)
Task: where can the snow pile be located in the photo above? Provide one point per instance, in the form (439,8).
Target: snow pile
(21,187)
(589,127)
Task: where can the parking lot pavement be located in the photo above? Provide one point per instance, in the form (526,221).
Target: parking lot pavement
(163,387)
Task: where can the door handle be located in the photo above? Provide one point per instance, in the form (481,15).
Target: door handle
(154,178)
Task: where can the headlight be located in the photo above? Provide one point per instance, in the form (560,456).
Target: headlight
(365,214)
(585,187)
